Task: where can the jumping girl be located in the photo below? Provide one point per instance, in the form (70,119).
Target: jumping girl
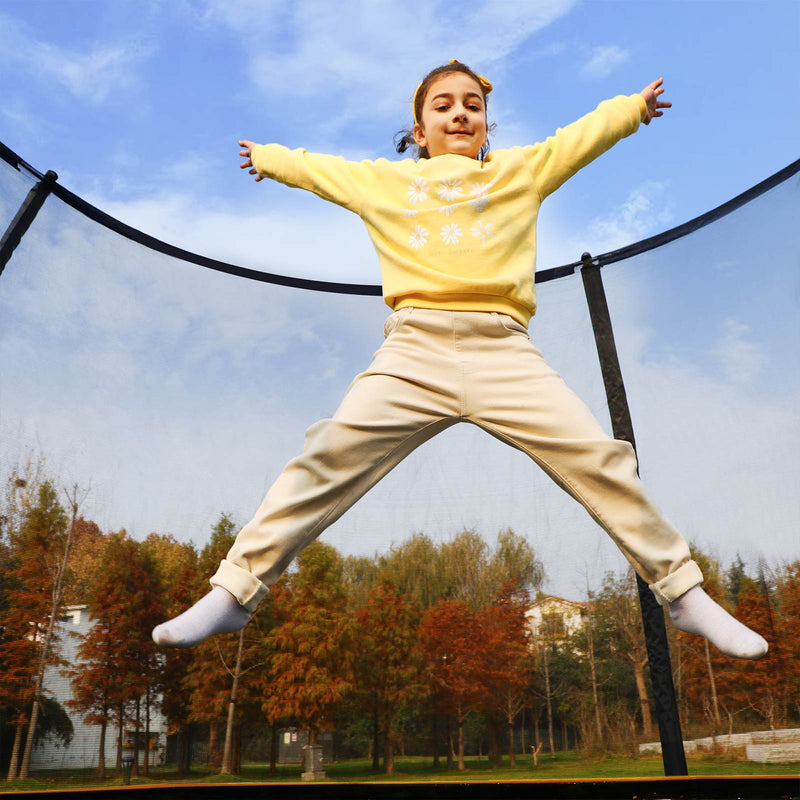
(455,232)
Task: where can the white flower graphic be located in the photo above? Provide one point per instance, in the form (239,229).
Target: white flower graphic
(419,237)
(418,190)
(449,189)
(451,233)
(482,229)
(447,210)
(480,193)
(410,213)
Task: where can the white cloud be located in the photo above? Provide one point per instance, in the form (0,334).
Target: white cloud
(644,212)
(345,51)
(90,74)
(741,358)
(603,61)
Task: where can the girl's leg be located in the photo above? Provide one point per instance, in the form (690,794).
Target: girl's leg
(408,394)
(517,397)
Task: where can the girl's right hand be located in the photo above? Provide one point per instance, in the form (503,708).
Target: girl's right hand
(248,146)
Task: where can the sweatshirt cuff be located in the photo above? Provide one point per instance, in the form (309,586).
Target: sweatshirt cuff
(642,106)
(254,155)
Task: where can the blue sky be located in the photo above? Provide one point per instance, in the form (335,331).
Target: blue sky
(138,106)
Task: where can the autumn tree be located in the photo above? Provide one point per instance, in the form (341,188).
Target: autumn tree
(507,664)
(117,658)
(388,660)
(37,531)
(175,567)
(310,669)
(451,642)
(218,676)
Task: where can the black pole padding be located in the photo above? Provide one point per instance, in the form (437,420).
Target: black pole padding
(25,215)
(655,629)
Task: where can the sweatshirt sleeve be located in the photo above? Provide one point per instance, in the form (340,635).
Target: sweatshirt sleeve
(560,156)
(331,177)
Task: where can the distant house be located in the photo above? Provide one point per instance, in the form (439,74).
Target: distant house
(83,750)
(555,618)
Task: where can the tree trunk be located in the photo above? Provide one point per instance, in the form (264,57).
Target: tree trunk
(135,769)
(713,684)
(273,750)
(449,742)
(101,753)
(388,748)
(549,701)
(227,750)
(13,766)
(147,731)
(120,738)
(461,764)
(376,758)
(593,670)
(435,740)
(644,700)
(512,756)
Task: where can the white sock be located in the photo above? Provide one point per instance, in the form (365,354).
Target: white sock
(217,612)
(696,612)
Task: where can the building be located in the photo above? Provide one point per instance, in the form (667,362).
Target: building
(555,618)
(82,751)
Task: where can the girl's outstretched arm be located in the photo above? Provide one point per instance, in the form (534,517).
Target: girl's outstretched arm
(245,153)
(651,94)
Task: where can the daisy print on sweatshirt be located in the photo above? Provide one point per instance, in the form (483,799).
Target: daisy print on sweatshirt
(418,238)
(451,233)
(480,195)
(418,191)
(449,189)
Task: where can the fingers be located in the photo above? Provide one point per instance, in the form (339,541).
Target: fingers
(247,146)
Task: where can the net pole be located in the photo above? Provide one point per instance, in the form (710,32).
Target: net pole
(25,215)
(655,631)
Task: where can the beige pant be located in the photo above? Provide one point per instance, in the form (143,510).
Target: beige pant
(437,368)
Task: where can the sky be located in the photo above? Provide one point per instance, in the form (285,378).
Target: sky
(177,394)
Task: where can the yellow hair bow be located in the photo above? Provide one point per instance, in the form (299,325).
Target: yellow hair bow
(485,83)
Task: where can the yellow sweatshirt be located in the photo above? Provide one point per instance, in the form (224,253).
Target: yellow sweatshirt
(451,232)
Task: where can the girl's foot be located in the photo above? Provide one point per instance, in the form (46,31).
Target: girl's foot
(217,612)
(696,612)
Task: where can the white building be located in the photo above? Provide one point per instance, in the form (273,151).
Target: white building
(82,752)
(555,617)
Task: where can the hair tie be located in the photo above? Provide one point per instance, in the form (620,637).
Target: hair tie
(485,83)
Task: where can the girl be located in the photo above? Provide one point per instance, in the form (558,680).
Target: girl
(455,232)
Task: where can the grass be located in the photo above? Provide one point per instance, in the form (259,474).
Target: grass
(566,765)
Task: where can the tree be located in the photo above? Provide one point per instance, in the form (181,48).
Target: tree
(118,660)
(310,670)
(388,663)
(217,665)
(507,664)
(621,624)
(175,568)
(451,642)
(39,550)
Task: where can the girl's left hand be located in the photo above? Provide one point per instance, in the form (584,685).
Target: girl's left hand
(248,145)
(651,94)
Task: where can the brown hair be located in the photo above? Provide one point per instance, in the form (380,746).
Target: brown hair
(403,140)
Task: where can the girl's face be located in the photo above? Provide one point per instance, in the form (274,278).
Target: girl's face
(453,118)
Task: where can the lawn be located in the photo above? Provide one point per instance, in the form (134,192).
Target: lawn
(565,766)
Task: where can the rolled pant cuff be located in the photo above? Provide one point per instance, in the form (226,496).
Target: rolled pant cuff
(243,585)
(677,583)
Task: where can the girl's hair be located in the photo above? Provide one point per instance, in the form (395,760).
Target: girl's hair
(403,140)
